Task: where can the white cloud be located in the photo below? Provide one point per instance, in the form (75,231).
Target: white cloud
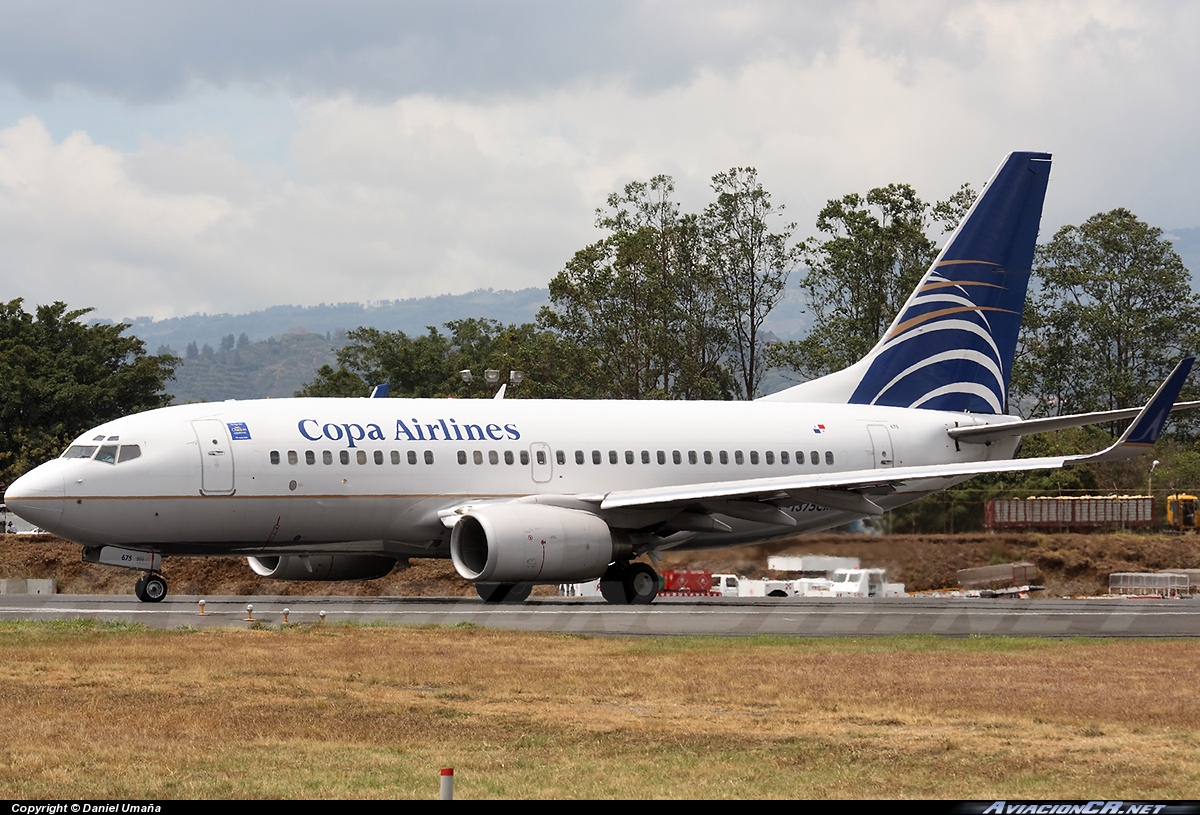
(448,187)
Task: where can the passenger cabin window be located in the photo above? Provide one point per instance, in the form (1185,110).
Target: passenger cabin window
(292,457)
(814,458)
(310,457)
(462,456)
(525,457)
(344,456)
(829,457)
(493,457)
(412,456)
(274,456)
(428,456)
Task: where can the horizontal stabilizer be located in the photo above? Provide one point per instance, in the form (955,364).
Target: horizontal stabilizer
(987,433)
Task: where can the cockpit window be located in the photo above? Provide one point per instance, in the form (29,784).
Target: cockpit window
(80,451)
(107,454)
(129,452)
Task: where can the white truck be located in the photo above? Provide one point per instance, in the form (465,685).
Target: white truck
(864,583)
(844,583)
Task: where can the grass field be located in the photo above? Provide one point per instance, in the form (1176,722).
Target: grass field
(97,711)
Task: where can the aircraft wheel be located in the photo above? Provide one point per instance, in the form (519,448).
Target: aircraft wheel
(778,593)
(641,584)
(612,586)
(154,589)
(504,592)
(139,589)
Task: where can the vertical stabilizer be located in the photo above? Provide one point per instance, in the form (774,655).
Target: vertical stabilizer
(951,346)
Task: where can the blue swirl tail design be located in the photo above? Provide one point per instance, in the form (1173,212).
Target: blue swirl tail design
(952,345)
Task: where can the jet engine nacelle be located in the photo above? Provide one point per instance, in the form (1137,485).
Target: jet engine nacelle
(322,567)
(532,543)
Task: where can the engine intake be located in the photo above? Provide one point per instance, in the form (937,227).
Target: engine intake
(532,543)
(322,567)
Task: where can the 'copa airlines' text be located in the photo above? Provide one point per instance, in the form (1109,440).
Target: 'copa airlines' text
(351,433)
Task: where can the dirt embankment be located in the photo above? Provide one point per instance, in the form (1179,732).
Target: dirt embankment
(1069,564)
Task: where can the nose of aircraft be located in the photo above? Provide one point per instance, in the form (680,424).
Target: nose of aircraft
(38,496)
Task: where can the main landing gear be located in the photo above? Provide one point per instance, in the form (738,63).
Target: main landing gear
(630,584)
(150,588)
(504,592)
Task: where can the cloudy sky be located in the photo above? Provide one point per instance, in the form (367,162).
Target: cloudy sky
(164,159)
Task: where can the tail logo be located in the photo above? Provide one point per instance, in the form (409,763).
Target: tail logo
(946,334)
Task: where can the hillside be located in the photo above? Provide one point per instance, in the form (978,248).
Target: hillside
(1070,564)
(276,367)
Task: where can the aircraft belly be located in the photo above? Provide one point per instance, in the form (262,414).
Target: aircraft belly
(263,521)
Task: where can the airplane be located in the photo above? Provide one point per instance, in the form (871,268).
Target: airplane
(524,492)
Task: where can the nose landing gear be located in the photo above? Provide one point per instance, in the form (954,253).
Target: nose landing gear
(150,588)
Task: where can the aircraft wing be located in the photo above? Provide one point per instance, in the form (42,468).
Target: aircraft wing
(850,490)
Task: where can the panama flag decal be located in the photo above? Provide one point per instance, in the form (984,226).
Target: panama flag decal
(819,428)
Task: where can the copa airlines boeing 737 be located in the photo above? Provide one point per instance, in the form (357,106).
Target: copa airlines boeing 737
(519,492)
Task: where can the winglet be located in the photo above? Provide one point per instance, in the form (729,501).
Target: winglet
(1144,431)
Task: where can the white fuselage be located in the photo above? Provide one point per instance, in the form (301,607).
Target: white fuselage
(372,475)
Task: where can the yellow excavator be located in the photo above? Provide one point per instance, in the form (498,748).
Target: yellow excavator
(1182,512)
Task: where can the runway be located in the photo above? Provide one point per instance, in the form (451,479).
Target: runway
(824,617)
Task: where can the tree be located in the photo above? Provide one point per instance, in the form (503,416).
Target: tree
(875,251)
(750,265)
(430,365)
(1112,312)
(643,300)
(62,377)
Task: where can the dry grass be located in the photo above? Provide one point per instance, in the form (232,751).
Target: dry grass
(373,712)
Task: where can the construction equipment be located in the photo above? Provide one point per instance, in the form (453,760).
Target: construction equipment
(1181,512)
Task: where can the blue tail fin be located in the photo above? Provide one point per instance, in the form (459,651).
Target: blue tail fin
(952,345)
